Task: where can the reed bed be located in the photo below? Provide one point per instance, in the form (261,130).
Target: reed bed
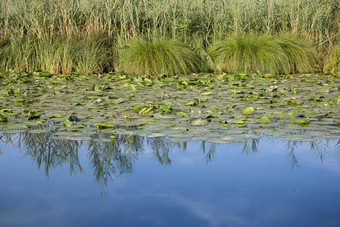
(332,64)
(196,23)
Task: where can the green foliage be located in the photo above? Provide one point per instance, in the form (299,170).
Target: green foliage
(333,63)
(184,20)
(263,120)
(245,53)
(269,54)
(248,110)
(3,119)
(94,54)
(157,57)
(48,30)
(57,54)
(103,125)
(5,51)
(302,56)
(17,53)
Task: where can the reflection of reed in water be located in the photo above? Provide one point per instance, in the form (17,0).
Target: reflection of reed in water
(114,158)
(0,140)
(210,152)
(117,157)
(320,147)
(52,153)
(291,147)
(250,146)
(162,147)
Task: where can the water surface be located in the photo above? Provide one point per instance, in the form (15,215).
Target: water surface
(138,181)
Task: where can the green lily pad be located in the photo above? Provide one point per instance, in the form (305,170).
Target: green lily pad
(238,122)
(103,126)
(264,120)
(248,110)
(303,122)
(191,103)
(206,93)
(182,114)
(67,123)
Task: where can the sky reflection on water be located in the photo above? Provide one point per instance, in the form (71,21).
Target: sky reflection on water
(136,181)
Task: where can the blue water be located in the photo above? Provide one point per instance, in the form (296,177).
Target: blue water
(275,183)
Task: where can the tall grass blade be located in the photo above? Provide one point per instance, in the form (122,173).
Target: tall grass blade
(156,57)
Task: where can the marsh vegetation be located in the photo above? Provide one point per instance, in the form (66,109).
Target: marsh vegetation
(160,55)
(101,89)
(220,108)
(83,36)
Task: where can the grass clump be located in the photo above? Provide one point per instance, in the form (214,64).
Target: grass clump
(302,56)
(268,54)
(157,57)
(246,53)
(332,65)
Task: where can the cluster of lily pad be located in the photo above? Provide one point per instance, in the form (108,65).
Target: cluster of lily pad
(213,107)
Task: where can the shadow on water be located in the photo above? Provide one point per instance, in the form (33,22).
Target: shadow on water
(113,157)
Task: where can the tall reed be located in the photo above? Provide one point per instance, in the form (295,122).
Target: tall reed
(181,19)
(94,54)
(333,62)
(196,23)
(56,54)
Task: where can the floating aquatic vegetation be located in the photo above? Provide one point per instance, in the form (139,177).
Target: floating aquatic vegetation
(194,107)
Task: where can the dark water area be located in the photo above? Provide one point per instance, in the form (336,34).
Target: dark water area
(139,181)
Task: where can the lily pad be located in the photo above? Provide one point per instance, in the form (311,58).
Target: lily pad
(173,105)
(182,114)
(248,110)
(299,138)
(238,122)
(264,120)
(103,125)
(199,122)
